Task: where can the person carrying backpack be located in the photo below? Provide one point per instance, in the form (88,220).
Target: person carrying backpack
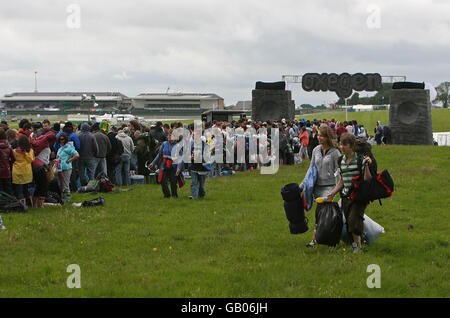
(353,164)
(169,170)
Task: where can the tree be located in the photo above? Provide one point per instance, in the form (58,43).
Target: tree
(354,100)
(341,101)
(443,94)
(306,106)
(382,97)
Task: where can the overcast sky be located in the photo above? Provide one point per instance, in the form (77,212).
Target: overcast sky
(222,47)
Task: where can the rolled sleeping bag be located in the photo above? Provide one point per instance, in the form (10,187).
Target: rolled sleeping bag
(294,209)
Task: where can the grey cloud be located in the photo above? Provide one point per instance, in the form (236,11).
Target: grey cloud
(216,46)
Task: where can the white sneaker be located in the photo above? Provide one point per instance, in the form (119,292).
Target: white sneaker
(356,248)
(2,227)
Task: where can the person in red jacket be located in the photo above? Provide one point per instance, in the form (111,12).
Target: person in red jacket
(25,130)
(7,158)
(304,138)
(340,130)
(41,146)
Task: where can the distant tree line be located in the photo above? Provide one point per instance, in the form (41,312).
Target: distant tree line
(382,97)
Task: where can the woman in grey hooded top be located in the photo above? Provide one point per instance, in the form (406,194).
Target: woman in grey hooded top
(325,156)
(123,168)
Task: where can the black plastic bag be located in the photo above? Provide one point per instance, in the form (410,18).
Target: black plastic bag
(94,202)
(329,223)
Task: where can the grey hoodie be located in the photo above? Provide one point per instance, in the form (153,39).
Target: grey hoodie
(326,165)
(127,142)
(88,144)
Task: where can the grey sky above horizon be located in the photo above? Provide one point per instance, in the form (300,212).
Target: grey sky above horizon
(222,47)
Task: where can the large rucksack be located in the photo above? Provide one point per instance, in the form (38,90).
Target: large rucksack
(379,187)
(9,203)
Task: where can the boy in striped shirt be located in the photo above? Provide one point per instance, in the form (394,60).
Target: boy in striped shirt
(353,211)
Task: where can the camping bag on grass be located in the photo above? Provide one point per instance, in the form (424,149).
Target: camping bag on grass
(329,223)
(94,202)
(104,184)
(294,208)
(9,203)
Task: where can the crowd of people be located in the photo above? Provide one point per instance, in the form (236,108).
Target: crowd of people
(80,152)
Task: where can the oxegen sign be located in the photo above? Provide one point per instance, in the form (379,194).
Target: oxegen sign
(343,84)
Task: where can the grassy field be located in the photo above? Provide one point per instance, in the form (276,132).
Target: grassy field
(440,118)
(235,242)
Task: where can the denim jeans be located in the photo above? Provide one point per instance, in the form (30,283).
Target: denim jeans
(123,170)
(133,162)
(100,164)
(89,165)
(216,169)
(198,185)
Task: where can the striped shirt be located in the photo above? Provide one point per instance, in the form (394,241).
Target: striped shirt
(348,172)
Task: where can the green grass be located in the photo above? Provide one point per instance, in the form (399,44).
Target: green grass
(439,117)
(235,242)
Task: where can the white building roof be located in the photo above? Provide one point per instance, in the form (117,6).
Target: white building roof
(55,98)
(178,96)
(65,96)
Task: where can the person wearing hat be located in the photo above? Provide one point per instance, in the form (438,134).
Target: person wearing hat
(88,152)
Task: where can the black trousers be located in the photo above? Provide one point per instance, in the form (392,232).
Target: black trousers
(6,186)
(40,181)
(111,170)
(169,175)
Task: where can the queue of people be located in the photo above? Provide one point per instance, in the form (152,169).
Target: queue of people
(78,153)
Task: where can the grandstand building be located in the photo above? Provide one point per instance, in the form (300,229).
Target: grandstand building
(64,101)
(177,104)
(151,105)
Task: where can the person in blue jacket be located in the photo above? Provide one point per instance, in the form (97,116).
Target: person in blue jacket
(73,137)
(66,154)
(169,170)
